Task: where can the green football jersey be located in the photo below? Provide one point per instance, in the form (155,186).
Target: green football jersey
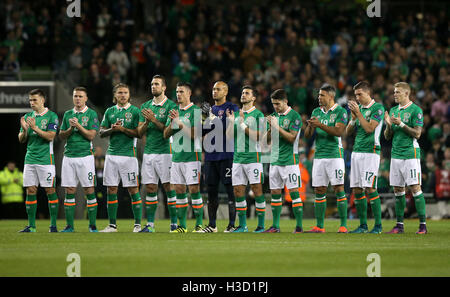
(190,116)
(155,142)
(286,153)
(77,145)
(329,146)
(39,150)
(121,144)
(369,142)
(403,145)
(247,151)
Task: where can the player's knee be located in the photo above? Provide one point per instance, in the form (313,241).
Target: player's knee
(338,188)
(70,190)
(399,189)
(320,190)
(275,191)
(370,190)
(112,190)
(32,190)
(194,188)
(151,188)
(89,190)
(357,191)
(257,189)
(415,189)
(133,190)
(50,190)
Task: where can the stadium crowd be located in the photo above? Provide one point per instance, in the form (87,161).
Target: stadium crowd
(293,46)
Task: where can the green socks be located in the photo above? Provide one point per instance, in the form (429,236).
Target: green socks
(260,204)
(320,206)
(182,206)
(53,208)
(375,204)
(297,208)
(361,208)
(419,201)
(151,204)
(31,207)
(342,207)
(400,204)
(112,208)
(136,207)
(197,206)
(172,206)
(276,204)
(241,209)
(69,209)
(92,206)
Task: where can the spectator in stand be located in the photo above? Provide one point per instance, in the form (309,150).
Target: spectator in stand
(118,57)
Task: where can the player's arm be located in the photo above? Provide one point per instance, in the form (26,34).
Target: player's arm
(105,132)
(368,126)
(337,130)
(351,125)
(289,136)
(414,132)
(88,134)
(388,133)
(47,135)
(149,117)
(23,134)
(129,132)
(309,130)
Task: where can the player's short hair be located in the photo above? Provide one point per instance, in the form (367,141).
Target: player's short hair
(184,84)
(364,85)
(38,92)
(329,89)
(279,94)
(403,85)
(118,86)
(81,89)
(249,87)
(162,78)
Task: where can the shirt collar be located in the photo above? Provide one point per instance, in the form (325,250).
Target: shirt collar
(189,105)
(250,110)
(41,114)
(161,103)
(406,106)
(82,111)
(286,112)
(332,108)
(370,104)
(125,107)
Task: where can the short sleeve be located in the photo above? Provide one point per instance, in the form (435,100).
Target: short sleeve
(342,117)
(64,125)
(418,118)
(93,123)
(377,114)
(296,123)
(53,123)
(105,122)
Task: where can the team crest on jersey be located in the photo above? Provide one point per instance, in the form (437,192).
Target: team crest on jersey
(162,111)
(44,123)
(406,117)
(84,121)
(187,116)
(128,116)
(367,114)
(285,124)
(332,118)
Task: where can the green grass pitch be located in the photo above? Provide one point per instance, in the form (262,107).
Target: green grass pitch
(224,255)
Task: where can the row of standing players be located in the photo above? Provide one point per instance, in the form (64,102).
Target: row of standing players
(179,170)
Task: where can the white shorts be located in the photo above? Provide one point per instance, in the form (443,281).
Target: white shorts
(43,175)
(74,170)
(404,172)
(121,168)
(364,170)
(185,173)
(155,168)
(326,171)
(280,176)
(243,174)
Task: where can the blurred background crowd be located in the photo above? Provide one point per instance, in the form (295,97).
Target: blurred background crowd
(286,44)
